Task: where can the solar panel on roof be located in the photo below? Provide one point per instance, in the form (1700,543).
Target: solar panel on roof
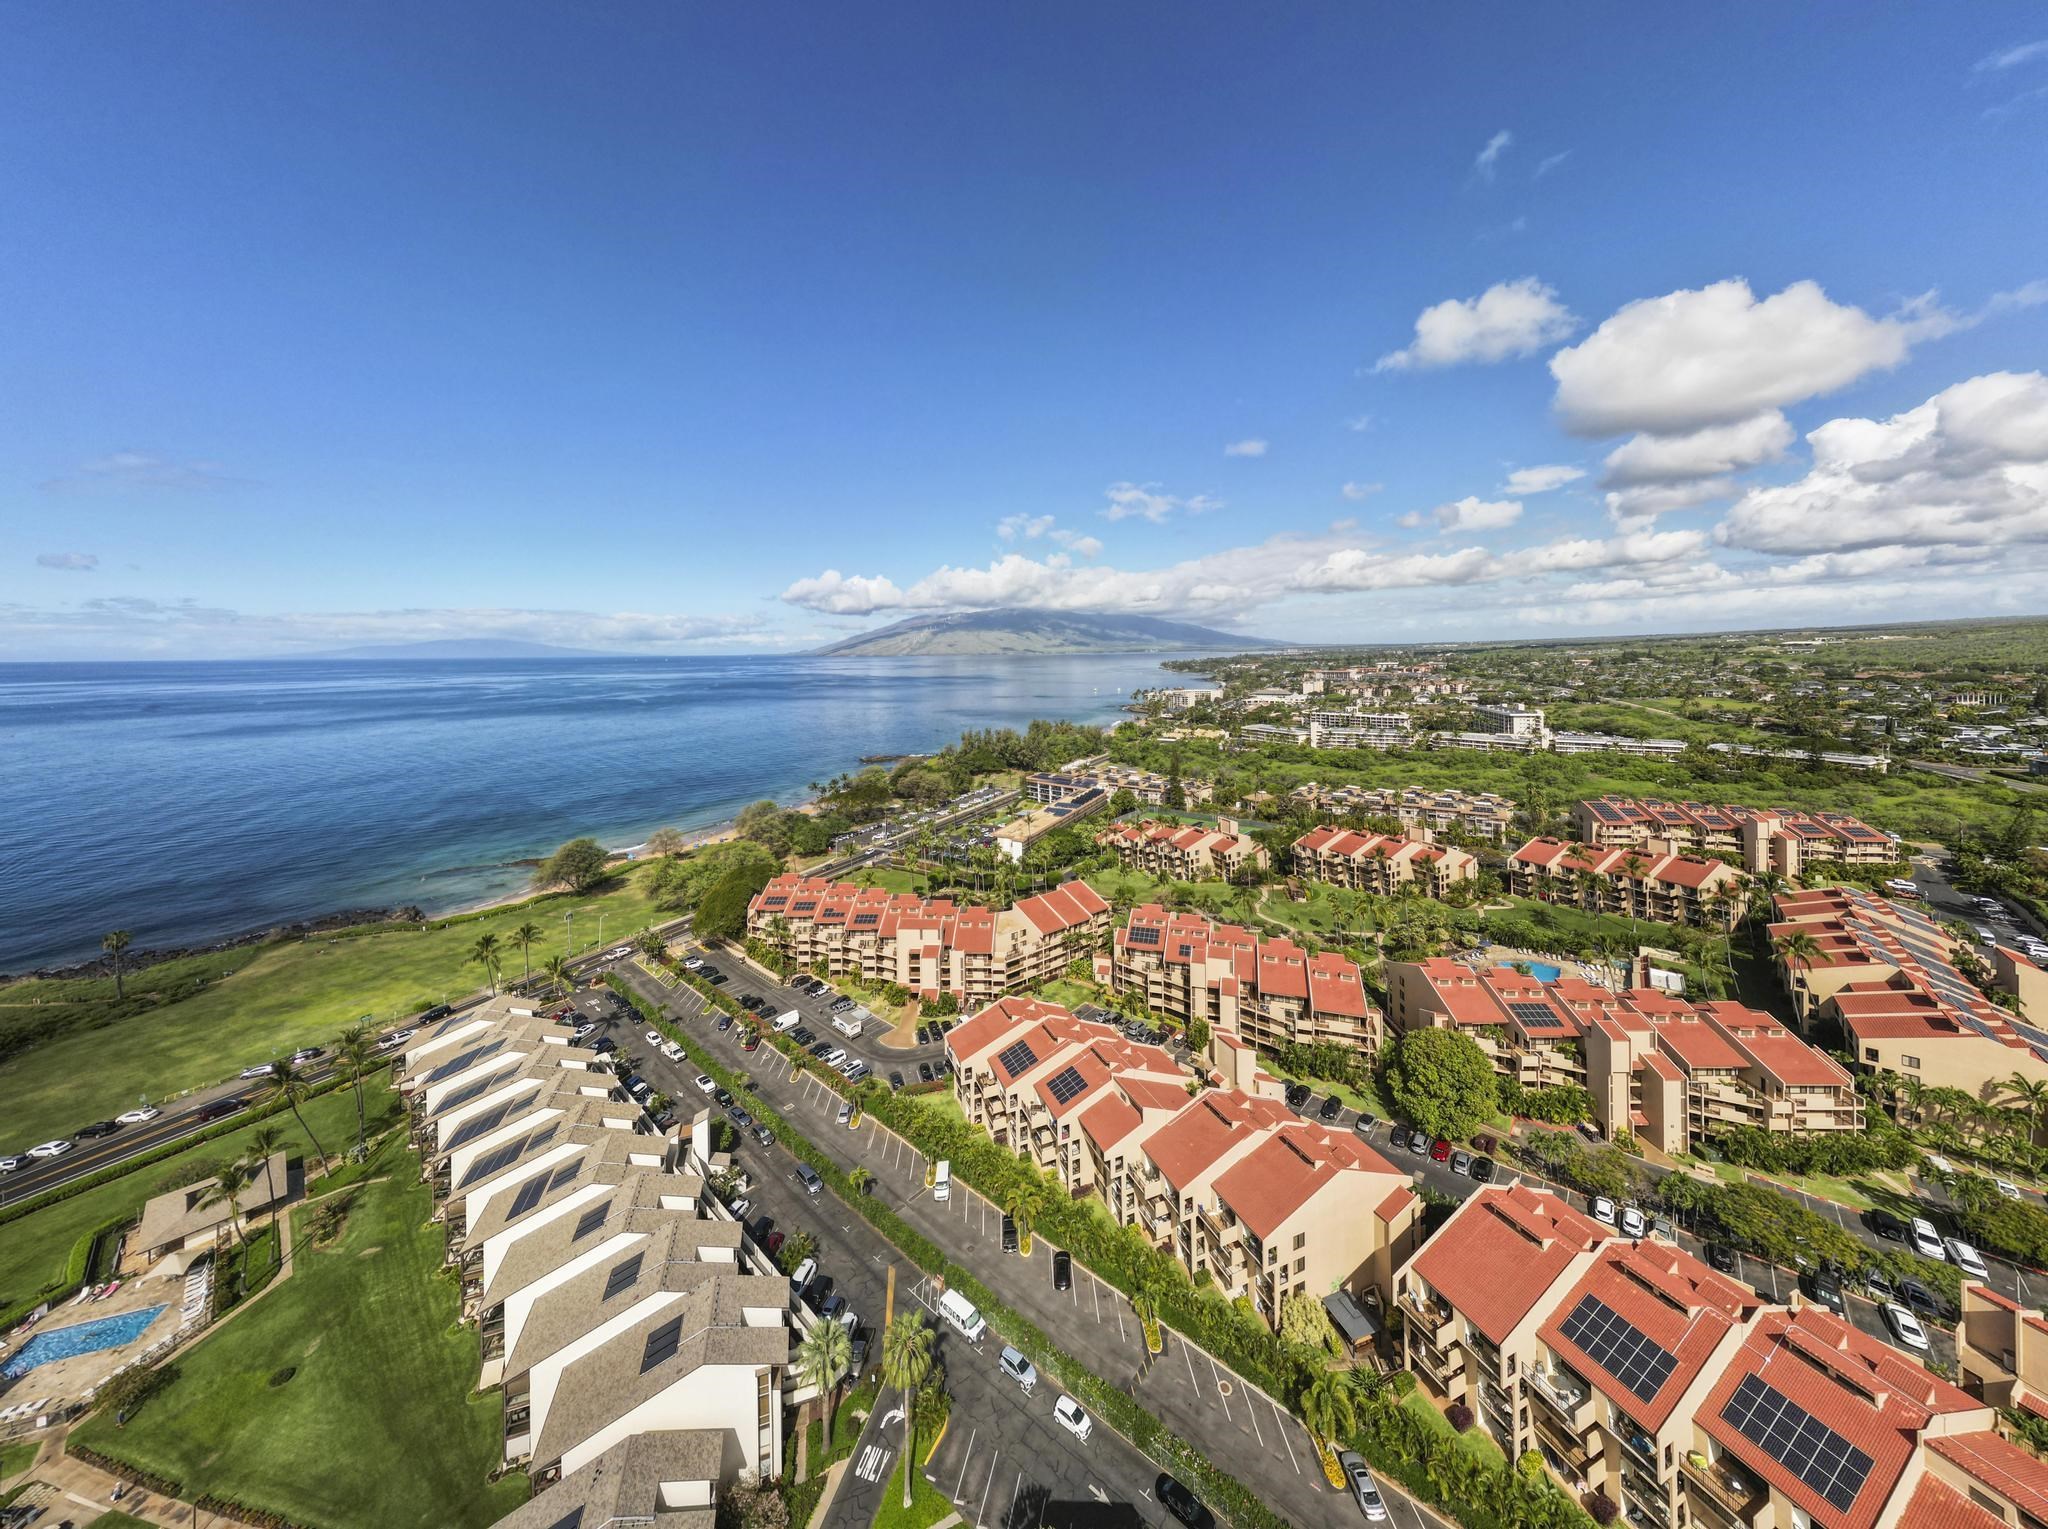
(1797,1440)
(464,1094)
(488,1121)
(623,1274)
(1142,934)
(662,1344)
(495,1161)
(864,920)
(474,1054)
(1533,1013)
(1015,1057)
(1615,1344)
(591,1220)
(528,1196)
(1067,1085)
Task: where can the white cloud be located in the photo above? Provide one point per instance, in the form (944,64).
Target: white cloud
(1475,514)
(2008,58)
(1508,319)
(1634,508)
(1489,156)
(1030,527)
(1248,448)
(140,470)
(1358,422)
(1715,355)
(841,594)
(1357,491)
(1084,546)
(1709,452)
(1147,501)
(68,562)
(1967,468)
(1551,162)
(1541,480)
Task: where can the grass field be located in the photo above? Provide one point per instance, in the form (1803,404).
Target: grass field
(261,1000)
(15,1458)
(1473,1440)
(376,1429)
(33,1250)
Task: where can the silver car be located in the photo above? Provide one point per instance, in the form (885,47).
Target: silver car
(1363,1487)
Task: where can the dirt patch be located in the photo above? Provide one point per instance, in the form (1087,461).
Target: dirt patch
(312,1346)
(371,1252)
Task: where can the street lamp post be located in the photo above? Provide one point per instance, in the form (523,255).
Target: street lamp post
(569,936)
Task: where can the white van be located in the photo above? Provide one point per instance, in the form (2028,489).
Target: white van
(960,1312)
(847,1025)
(788,1021)
(942,1180)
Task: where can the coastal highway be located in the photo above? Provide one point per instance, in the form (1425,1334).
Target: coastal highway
(182,1117)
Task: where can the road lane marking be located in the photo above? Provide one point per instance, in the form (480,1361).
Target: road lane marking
(1010,1517)
(966,1460)
(1221,1394)
(1281,1418)
(1254,1411)
(983,1509)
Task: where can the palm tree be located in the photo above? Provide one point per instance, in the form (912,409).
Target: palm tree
(230,1179)
(523,937)
(355,1054)
(860,1180)
(115,943)
(906,1361)
(1145,1303)
(1633,866)
(556,970)
(264,1142)
(485,954)
(1026,1199)
(1798,949)
(1329,1408)
(291,1087)
(823,1358)
(2031,1094)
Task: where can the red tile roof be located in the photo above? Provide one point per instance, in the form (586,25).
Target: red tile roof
(1109,1120)
(1527,1230)
(1937,1505)
(2013,1473)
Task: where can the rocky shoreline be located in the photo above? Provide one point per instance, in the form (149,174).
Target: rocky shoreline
(136,960)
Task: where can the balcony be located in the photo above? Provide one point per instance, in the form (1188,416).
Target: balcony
(1433,1318)
(1568,1447)
(1223,1228)
(1736,1498)
(1569,1397)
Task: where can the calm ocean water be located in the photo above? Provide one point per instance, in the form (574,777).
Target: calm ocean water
(191,801)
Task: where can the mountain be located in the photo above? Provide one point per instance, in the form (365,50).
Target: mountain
(1034,631)
(457,647)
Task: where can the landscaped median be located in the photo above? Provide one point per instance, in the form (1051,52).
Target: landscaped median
(1397,1443)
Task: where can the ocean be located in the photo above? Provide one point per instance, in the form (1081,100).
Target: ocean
(191,801)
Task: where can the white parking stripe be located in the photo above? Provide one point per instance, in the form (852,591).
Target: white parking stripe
(965,1460)
(1281,1418)
(1219,1389)
(978,1512)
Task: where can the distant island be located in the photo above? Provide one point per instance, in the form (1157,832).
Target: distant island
(455,647)
(1000,632)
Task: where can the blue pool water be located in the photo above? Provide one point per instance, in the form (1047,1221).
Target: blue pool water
(80,1338)
(1543,971)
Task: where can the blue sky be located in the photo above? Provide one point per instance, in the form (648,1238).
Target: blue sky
(703,328)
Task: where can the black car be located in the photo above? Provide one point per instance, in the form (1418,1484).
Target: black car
(924,1072)
(725,1021)
(1298,1094)
(1723,1257)
(220,1109)
(896,1080)
(1397,1138)
(1183,1504)
(1332,1108)
(1009,1234)
(1886,1225)
(1824,1285)
(804,1035)
(1062,1270)
(724,1097)
(926,1034)
(98,1128)
(1482,1170)
(819,1048)
(749,1002)
(1925,1302)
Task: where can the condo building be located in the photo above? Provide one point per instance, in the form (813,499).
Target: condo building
(1267,992)
(1053,787)
(1360,730)
(928,945)
(1231,1181)
(1636,1371)
(1675,1073)
(1471,814)
(1887,974)
(1766,839)
(640,1341)
(1653,883)
(1381,863)
(1182,853)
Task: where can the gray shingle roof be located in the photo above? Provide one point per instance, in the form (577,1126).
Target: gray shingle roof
(624,1483)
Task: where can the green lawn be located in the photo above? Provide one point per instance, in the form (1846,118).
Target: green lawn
(15,1458)
(114,1520)
(1473,1439)
(927,1503)
(890,879)
(33,1250)
(378,1427)
(256,1002)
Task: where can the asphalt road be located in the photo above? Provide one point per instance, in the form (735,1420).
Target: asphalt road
(1244,1431)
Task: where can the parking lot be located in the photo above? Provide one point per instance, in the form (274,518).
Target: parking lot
(742,980)
(1243,1431)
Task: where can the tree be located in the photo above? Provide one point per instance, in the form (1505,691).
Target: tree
(356,1055)
(751,1503)
(1798,949)
(906,1360)
(823,1358)
(578,865)
(264,1142)
(722,913)
(1443,1082)
(230,1180)
(2031,1095)
(860,1181)
(556,970)
(1303,1320)
(1198,1036)
(484,953)
(665,841)
(115,943)
(1024,1203)
(523,937)
(1329,1407)
(290,1087)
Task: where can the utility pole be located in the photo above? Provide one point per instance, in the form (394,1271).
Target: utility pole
(569,937)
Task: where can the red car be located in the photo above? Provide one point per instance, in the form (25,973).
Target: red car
(1440,1150)
(774,1243)
(752,1042)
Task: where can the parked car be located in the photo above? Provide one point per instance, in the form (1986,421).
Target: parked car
(924,1072)
(1332,1108)
(692,963)
(803,1274)
(896,1080)
(722,1096)
(845,1115)
(1440,1150)
(1183,1504)
(1068,1414)
(1824,1286)
(763,1135)
(1905,1327)
(11,1164)
(1364,1490)
(804,1035)
(1018,1368)
(2007,1188)
(1298,1095)
(1603,1209)
(741,1206)
(654,1037)
(1927,1241)
(1923,1301)
(1461,1162)
(725,1021)
(835,1303)
(1886,1225)
(1397,1137)
(1363,1125)
(137,1117)
(1062,1270)
(99,1128)
(50,1149)
(1722,1257)
(808,1176)
(1877,1287)
(1966,1258)
(773,1244)
(1482,1170)
(1009,1233)
(1632,1222)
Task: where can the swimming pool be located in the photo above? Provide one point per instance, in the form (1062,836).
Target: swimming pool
(80,1338)
(1543,971)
